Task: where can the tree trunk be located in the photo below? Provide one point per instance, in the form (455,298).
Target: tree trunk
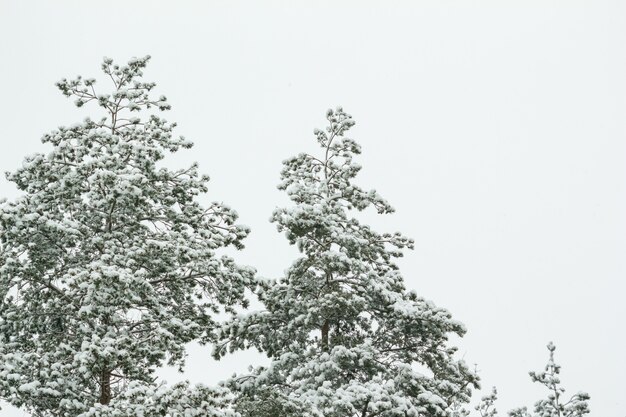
(105,387)
(105,376)
(325,329)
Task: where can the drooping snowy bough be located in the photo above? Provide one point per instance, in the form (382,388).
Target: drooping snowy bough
(344,335)
(108,265)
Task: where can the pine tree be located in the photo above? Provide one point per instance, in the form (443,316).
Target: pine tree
(555,405)
(344,335)
(108,264)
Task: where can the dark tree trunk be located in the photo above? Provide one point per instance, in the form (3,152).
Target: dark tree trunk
(325,329)
(105,387)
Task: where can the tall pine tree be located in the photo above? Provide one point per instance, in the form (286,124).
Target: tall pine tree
(108,264)
(344,335)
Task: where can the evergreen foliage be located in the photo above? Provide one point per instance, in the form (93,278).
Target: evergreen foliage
(345,337)
(109,263)
(555,405)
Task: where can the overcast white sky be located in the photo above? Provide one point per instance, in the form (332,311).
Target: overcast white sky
(496,128)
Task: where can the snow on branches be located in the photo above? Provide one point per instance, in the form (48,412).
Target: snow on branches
(345,336)
(109,263)
(554,405)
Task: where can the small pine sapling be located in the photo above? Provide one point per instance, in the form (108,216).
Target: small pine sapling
(555,405)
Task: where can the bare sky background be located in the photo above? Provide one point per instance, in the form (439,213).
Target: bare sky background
(496,128)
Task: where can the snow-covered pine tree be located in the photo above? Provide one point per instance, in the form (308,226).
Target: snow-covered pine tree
(556,404)
(108,263)
(344,335)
